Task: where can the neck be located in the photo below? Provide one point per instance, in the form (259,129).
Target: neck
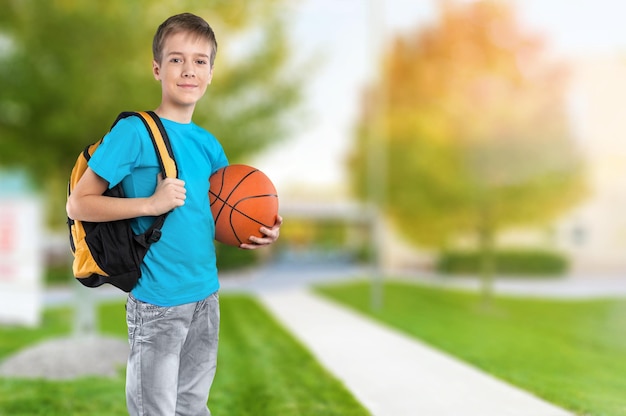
(178,114)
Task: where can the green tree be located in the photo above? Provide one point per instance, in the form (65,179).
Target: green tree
(475,130)
(67,68)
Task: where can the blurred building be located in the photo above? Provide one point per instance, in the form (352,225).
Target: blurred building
(594,234)
(21,268)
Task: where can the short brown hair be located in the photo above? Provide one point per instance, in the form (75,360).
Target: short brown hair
(184,22)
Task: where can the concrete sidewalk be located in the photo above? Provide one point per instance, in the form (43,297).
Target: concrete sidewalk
(392,374)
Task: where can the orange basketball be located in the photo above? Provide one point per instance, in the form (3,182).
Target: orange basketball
(243,199)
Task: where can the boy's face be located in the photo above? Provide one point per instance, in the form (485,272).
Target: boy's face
(185,70)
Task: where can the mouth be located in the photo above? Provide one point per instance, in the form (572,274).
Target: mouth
(187,86)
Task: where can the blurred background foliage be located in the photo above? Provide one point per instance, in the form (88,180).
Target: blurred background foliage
(67,69)
(468,115)
(475,124)
(475,130)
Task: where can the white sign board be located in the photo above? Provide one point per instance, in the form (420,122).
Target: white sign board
(21,262)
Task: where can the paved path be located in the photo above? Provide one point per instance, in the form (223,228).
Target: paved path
(390,373)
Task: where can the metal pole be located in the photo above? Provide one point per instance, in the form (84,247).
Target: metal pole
(376,148)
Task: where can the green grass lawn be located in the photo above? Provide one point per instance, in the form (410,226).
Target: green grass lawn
(570,352)
(262,371)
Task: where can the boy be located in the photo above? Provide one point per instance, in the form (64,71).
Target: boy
(173,312)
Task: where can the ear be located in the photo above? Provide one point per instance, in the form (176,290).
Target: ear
(156,70)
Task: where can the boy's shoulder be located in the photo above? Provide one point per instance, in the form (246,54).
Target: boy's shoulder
(128,126)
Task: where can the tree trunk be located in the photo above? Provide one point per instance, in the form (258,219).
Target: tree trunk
(487,254)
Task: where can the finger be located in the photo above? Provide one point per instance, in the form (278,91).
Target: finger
(247,246)
(271,233)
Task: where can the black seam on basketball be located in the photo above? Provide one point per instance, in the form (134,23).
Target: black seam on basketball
(217,216)
(225,201)
(235,209)
(232,228)
(238,183)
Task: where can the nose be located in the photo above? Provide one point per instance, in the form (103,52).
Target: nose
(188,71)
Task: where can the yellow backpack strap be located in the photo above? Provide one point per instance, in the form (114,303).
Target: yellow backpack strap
(165,155)
(160,140)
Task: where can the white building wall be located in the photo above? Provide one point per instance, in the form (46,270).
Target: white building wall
(594,234)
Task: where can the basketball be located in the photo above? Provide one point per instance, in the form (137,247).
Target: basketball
(242,199)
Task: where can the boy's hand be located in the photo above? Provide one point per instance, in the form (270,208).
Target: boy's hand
(271,235)
(169,194)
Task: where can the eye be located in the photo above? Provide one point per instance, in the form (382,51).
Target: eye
(202,61)
(176,60)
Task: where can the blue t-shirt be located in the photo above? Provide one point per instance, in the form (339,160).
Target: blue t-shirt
(179,268)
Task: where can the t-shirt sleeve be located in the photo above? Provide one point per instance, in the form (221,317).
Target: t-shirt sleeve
(219,159)
(119,152)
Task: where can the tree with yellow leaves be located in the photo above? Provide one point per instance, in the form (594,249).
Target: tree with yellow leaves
(476,136)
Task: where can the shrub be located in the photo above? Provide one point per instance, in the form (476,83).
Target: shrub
(58,274)
(507,262)
(232,258)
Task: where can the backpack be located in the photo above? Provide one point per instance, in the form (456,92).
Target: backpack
(109,252)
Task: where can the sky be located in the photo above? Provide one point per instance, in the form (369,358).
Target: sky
(334,38)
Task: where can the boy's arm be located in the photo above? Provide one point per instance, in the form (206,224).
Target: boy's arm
(86,203)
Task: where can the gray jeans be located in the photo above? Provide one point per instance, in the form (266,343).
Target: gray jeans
(173,357)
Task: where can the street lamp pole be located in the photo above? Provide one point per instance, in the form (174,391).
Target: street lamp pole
(376,146)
